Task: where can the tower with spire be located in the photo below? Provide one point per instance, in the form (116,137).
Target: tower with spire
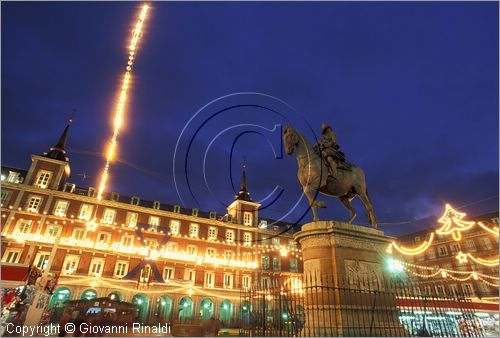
(243,210)
(51,169)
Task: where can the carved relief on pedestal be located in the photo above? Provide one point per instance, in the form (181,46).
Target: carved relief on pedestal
(357,243)
(365,275)
(316,241)
(312,272)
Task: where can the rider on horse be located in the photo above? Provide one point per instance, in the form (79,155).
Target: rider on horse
(330,150)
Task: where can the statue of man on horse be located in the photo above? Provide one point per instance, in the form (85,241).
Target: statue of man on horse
(323,168)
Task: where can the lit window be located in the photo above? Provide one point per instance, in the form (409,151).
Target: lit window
(53,230)
(145,274)
(228,280)
(230,236)
(211,252)
(442,251)
(11,256)
(293,264)
(70,264)
(246,281)
(440,290)
(454,290)
(121,269)
(265,282)
(247,238)
(190,275)
(265,262)
(264,240)
(486,243)
(109,216)
(292,244)
(455,247)
(24,226)
(127,240)
(85,212)
(247,256)
(175,227)
(468,290)
(247,218)
(61,208)
(172,246)
(41,259)
(470,245)
(194,212)
(103,237)
(5,197)
(168,273)
(79,234)
(209,279)
(96,267)
(131,220)
(43,178)
(193,230)
(154,222)
(228,254)
(212,233)
(34,204)
(192,249)
(156,205)
(276,263)
(276,241)
(13,177)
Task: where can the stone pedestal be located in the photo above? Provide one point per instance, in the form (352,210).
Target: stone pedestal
(345,286)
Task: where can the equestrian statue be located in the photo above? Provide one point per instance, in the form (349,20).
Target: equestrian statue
(322,167)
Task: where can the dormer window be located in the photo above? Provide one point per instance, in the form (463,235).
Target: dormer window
(177,209)
(13,177)
(90,192)
(69,187)
(115,196)
(43,178)
(212,215)
(135,200)
(263,224)
(194,212)
(156,205)
(247,218)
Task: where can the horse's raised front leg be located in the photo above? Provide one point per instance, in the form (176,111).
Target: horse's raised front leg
(346,201)
(312,204)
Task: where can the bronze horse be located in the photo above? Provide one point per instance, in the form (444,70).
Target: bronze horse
(313,175)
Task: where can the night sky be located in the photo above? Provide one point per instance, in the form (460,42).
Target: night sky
(411,89)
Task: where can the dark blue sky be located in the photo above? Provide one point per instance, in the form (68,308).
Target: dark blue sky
(411,90)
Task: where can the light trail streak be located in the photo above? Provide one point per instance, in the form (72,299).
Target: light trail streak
(120,107)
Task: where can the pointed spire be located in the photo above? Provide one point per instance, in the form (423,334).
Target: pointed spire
(243,194)
(58,151)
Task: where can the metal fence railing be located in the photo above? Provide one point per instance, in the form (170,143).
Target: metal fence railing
(325,305)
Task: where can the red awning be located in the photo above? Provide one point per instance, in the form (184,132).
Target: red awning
(16,272)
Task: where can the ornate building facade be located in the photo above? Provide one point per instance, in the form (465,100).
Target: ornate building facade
(174,263)
(449,253)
